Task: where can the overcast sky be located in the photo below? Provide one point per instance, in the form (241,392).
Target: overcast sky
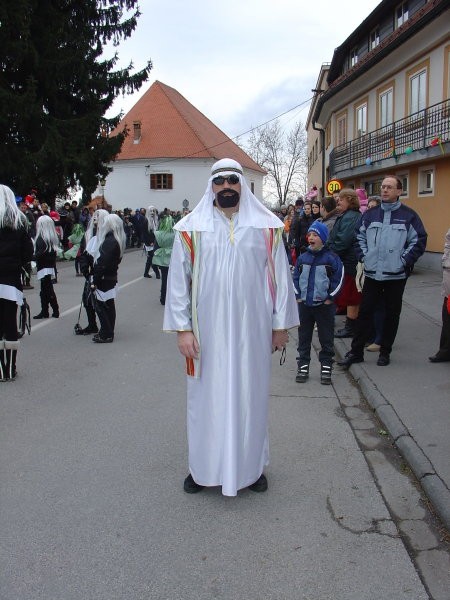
(240,62)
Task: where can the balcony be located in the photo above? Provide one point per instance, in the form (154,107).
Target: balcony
(420,131)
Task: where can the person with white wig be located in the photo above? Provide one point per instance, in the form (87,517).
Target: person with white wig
(45,247)
(230,298)
(107,257)
(16,251)
(88,247)
(149,227)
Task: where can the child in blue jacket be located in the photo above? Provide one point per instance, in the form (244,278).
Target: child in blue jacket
(318,276)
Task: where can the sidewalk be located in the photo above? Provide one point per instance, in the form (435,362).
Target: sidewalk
(411,396)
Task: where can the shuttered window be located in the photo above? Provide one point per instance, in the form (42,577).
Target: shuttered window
(161,181)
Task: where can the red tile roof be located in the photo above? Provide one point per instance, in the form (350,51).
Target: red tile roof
(171,127)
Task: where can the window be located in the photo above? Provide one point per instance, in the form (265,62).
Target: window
(161,181)
(353,57)
(404,178)
(386,104)
(418,91)
(315,150)
(373,188)
(252,187)
(401,14)
(426,181)
(341,130)
(361,120)
(374,38)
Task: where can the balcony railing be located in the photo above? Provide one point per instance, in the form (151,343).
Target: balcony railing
(424,129)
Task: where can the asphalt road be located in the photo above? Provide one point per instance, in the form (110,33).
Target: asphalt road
(93,457)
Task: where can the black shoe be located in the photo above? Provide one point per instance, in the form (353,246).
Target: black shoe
(190,487)
(260,485)
(325,374)
(383,360)
(88,330)
(41,315)
(148,276)
(28,287)
(348,331)
(99,340)
(55,314)
(437,358)
(350,359)
(302,373)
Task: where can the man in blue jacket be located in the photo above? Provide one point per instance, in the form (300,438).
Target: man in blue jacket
(391,238)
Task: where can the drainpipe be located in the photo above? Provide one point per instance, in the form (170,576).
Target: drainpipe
(322,143)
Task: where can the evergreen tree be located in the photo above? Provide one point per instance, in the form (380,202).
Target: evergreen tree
(55,89)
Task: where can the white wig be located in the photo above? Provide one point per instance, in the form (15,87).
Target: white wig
(153,219)
(111,223)
(97,218)
(45,229)
(10,215)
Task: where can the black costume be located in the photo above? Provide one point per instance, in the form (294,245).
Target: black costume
(16,251)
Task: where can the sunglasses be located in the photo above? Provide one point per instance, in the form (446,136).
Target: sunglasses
(231,179)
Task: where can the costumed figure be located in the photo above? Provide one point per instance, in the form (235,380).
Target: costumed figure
(230,297)
(107,257)
(46,245)
(16,251)
(149,227)
(88,247)
(74,246)
(443,354)
(164,238)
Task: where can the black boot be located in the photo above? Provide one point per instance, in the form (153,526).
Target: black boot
(55,307)
(9,360)
(348,331)
(44,307)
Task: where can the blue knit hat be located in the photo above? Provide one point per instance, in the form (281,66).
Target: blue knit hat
(321,230)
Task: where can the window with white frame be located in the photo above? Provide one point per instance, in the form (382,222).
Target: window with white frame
(418,91)
(426,181)
(386,106)
(404,178)
(374,38)
(353,57)
(361,120)
(401,14)
(341,130)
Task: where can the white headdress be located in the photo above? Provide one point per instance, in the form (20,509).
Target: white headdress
(252,213)
(99,215)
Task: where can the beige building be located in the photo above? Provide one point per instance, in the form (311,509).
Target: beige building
(382,106)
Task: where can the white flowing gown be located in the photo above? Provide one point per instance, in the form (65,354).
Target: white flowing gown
(227,406)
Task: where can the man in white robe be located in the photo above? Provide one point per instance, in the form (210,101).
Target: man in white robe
(230,297)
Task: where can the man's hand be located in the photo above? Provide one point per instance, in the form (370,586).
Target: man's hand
(188,344)
(279,339)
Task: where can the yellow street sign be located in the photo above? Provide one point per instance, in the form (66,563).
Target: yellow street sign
(334,185)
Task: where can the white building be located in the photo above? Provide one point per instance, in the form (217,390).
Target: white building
(166,159)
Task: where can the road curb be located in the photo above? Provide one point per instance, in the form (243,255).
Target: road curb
(432,484)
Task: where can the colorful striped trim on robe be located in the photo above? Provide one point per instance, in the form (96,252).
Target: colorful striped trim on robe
(272,238)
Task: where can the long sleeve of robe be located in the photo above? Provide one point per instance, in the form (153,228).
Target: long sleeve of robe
(228,404)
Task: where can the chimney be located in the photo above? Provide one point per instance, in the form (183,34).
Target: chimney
(136,132)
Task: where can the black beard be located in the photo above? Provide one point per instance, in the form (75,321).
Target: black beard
(227,198)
